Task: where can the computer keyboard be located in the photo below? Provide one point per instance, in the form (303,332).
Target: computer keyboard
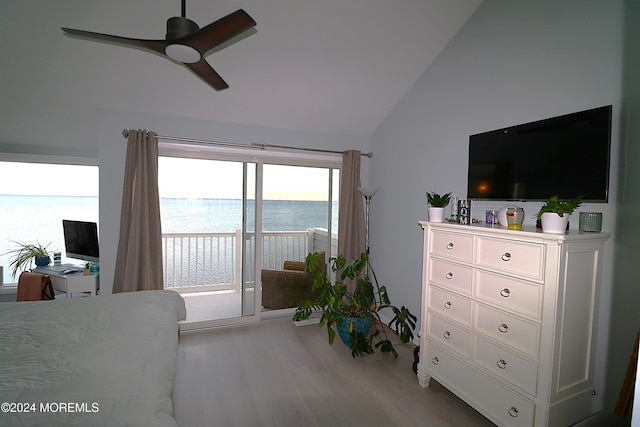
(63,268)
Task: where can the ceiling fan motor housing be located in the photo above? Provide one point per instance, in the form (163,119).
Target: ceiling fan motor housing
(178,27)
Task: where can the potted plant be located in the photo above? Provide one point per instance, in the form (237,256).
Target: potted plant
(355,314)
(437,204)
(554,214)
(25,253)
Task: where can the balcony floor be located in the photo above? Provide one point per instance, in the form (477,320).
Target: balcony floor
(221,305)
(203,306)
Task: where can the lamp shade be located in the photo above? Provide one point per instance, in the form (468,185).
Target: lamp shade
(368,191)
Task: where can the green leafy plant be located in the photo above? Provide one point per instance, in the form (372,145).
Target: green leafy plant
(335,301)
(24,254)
(436,200)
(555,205)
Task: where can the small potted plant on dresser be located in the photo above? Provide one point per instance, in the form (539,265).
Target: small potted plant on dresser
(554,214)
(437,203)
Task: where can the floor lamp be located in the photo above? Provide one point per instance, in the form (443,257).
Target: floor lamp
(368,193)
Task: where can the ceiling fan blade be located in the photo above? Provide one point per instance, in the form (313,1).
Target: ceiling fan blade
(203,70)
(220,31)
(157,46)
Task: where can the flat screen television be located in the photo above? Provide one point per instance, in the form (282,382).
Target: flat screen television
(566,156)
(81,240)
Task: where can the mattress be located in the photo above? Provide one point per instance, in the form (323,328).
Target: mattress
(95,361)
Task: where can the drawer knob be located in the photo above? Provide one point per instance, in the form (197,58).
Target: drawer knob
(446,335)
(504,328)
(506,256)
(449,246)
(448,305)
(505,292)
(513,411)
(449,275)
(502,364)
(435,361)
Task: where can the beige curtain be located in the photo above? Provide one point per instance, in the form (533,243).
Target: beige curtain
(351,227)
(139,259)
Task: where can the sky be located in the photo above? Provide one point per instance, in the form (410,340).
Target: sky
(178,177)
(48,179)
(222,179)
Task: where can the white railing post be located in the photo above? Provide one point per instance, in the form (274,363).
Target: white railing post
(238,264)
(310,237)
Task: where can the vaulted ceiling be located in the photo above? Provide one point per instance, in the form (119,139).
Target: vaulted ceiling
(335,66)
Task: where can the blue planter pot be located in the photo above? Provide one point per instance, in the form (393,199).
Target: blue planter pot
(42,261)
(360,324)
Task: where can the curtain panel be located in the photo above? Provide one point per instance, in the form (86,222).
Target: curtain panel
(139,258)
(351,227)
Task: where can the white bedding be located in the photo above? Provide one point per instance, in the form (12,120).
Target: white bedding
(107,360)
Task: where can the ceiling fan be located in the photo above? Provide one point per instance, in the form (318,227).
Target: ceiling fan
(186,43)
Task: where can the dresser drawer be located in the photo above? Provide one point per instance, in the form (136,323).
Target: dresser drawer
(521,259)
(513,294)
(517,370)
(492,399)
(448,334)
(510,330)
(451,275)
(450,305)
(452,245)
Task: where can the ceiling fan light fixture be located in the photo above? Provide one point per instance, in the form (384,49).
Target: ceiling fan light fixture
(182,53)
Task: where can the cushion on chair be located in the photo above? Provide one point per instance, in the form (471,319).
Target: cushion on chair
(295,265)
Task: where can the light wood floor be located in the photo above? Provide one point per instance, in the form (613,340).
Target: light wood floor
(277,374)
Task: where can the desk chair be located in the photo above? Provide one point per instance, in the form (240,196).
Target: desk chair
(34,287)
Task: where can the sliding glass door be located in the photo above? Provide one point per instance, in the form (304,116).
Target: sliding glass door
(300,215)
(229,222)
(208,212)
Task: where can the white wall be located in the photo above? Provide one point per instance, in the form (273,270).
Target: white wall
(112,153)
(625,316)
(513,62)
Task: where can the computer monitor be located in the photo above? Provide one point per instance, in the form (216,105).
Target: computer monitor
(81,240)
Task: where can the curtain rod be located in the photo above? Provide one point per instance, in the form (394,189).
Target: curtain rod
(258,146)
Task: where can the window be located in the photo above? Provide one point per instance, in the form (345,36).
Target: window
(36,197)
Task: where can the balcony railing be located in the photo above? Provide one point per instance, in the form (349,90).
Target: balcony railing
(194,262)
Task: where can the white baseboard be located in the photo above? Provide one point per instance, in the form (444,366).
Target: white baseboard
(309,321)
(8,289)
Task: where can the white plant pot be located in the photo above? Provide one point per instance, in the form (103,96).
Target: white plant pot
(436,214)
(554,223)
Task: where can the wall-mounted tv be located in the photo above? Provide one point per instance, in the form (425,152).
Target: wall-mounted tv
(81,240)
(566,155)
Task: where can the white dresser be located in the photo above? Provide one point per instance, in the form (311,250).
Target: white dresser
(508,320)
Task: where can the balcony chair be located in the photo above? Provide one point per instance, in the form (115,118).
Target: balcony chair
(290,286)
(34,287)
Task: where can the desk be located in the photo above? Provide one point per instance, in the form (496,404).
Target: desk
(70,283)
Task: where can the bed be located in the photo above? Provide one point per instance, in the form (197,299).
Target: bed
(95,361)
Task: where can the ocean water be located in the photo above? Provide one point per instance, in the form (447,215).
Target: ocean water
(223,215)
(34,219)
